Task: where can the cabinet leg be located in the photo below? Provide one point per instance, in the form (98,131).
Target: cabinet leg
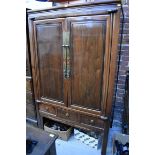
(40,124)
(105,139)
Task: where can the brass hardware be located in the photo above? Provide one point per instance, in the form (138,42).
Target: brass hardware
(68,64)
(65,38)
(91,121)
(66,57)
(104,117)
(67,114)
(64,62)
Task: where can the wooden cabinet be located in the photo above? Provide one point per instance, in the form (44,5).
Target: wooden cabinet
(73,57)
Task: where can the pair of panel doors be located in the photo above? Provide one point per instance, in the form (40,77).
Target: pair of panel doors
(73,57)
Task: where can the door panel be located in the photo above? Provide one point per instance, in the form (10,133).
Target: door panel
(49,35)
(88,37)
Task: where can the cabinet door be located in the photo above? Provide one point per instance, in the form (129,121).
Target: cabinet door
(89,62)
(48,38)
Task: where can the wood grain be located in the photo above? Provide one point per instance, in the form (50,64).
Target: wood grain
(112,73)
(89,41)
(49,41)
(85,97)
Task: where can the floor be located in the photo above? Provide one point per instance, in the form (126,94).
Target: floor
(75,147)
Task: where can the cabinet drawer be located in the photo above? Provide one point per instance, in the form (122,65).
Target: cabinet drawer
(66,114)
(91,121)
(47,108)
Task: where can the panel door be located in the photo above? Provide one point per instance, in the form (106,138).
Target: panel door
(89,62)
(48,38)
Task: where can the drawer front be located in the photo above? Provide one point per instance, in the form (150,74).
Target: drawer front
(29,98)
(91,121)
(28,85)
(66,114)
(47,108)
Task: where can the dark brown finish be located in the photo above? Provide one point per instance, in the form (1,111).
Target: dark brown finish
(73,57)
(48,109)
(69,108)
(45,145)
(91,121)
(88,39)
(112,72)
(69,115)
(74,123)
(50,57)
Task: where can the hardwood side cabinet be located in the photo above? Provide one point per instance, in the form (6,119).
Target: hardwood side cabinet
(73,56)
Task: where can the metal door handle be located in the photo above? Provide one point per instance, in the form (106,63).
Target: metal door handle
(66,56)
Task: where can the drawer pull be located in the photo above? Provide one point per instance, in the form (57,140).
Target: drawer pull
(67,114)
(91,121)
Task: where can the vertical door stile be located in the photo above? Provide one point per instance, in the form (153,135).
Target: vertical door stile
(107,63)
(113,60)
(65,54)
(68,62)
(34,52)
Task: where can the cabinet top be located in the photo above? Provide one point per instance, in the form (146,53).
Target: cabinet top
(85,4)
